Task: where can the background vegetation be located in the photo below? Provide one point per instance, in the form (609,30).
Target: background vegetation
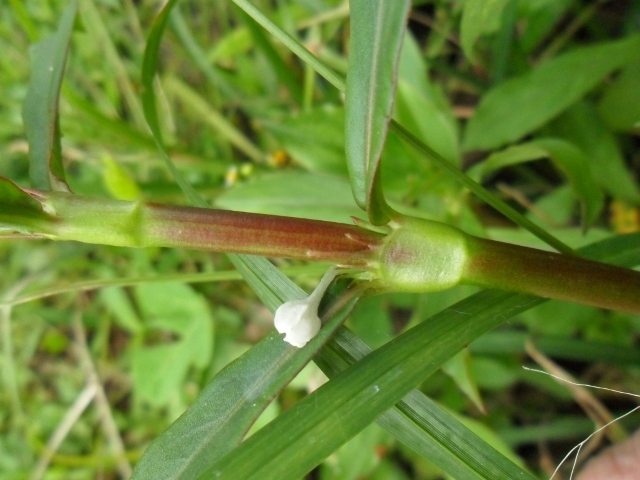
(537,99)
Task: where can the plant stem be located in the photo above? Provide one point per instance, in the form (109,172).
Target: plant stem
(500,265)
(412,255)
(137,224)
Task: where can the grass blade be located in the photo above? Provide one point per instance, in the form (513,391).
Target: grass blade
(377,30)
(149,67)
(40,112)
(292,44)
(421,424)
(228,406)
(18,206)
(282,70)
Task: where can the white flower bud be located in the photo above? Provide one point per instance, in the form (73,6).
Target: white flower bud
(298,319)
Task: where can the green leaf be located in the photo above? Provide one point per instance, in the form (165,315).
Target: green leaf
(291,43)
(479,190)
(357,458)
(118,181)
(282,70)
(231,402)
(620,102)
(514,155)
(313,139)
(40,111)
(523,104)
(422,109)
(582,126)
(293,194)
(377,30)
(569,159)
(158,371)
(304,435)
(116,301)
(426,427)
(479,17)
(18,209)
(149,67)
(302,52)
(459,369)
(575,165)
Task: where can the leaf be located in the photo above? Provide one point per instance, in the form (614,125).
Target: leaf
(523,104)
(479,190)
(282,70)
(569,159)
(410,139)
(582,126)
(459,369)
(313,138)
(118,181)
(303,53)
(514,155)
(377,30)
(293,194)
(291,43)
(575,165)
(158,371)
(18,209)
(426,427)
(619,105)
(40,110)
(230,403)
(479,17)
(116,301)
(421,108)
(304,435)
(149,67)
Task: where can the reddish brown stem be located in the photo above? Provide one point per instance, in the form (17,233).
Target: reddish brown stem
(268,235)
(135,224)
(546,274)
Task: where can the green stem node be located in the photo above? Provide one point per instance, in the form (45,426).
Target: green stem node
(424,256)
(552,275)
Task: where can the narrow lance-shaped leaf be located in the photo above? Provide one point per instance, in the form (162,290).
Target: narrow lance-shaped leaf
(523,104)
(40,111)
(377,30)
(422,425)
(149,67)
(228,406)
(277,63)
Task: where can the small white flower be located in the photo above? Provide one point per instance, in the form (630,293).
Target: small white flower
(298,319)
